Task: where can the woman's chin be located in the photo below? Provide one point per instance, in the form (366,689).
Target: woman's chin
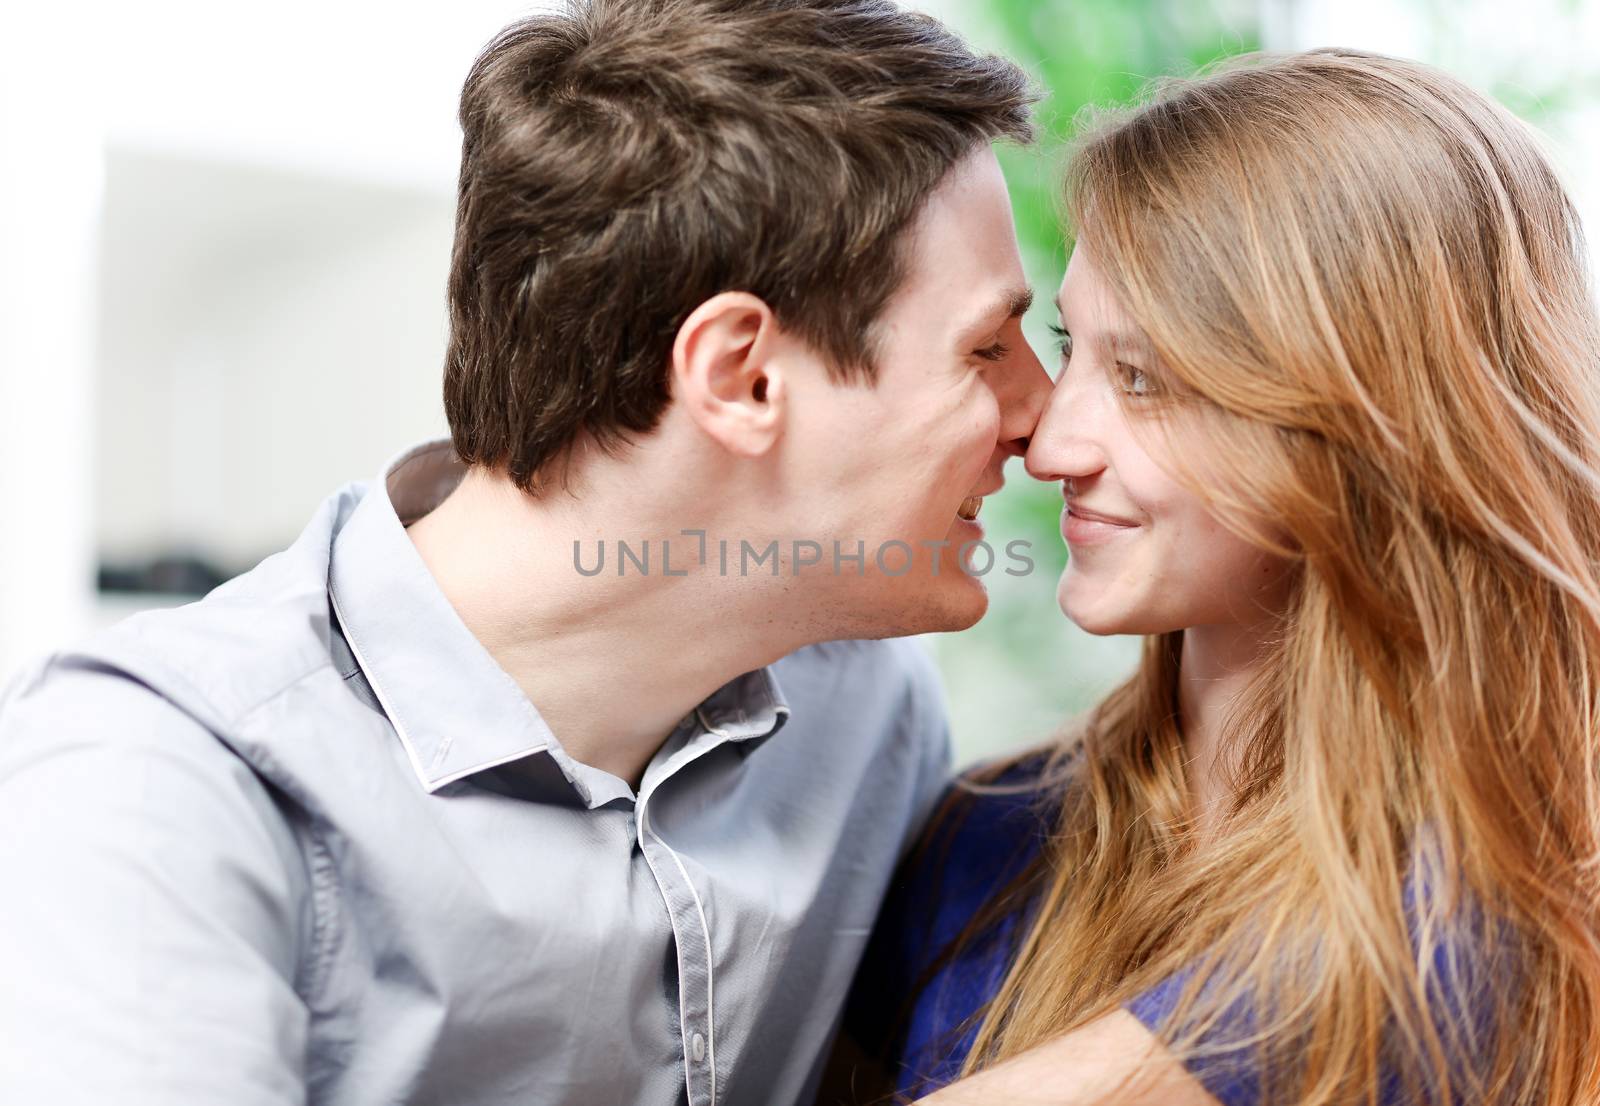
(1086,607)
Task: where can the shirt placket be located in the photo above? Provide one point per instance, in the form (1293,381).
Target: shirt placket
(692,936)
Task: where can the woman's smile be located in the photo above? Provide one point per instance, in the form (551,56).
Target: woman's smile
(1081,526)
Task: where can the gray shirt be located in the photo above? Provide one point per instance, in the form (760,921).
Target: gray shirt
(304,841)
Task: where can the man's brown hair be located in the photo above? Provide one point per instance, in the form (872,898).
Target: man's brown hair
(626,160)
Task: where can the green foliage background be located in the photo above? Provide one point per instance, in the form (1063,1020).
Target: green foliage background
(1014,678)
(1022,671)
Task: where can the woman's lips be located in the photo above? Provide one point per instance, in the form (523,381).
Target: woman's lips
(1081,526)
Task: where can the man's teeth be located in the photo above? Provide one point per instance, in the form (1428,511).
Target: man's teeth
(969,507)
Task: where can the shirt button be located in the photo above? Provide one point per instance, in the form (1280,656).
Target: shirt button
(697,1046)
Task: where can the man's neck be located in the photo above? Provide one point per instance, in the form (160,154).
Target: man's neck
(611,662)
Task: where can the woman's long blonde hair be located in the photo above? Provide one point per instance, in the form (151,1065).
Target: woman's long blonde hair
(1371,283)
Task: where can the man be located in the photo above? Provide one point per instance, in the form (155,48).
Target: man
(426,808)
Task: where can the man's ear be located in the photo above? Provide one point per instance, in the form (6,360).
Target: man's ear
(724,373)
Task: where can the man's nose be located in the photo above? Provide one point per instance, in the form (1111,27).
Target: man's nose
(1023,393)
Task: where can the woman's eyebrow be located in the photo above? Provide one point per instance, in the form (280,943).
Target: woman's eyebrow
(1129,342)
(1125,342)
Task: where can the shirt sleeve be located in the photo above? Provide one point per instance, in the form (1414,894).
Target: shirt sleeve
(155,905)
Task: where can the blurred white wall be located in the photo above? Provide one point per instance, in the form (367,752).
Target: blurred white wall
(264,333)
(224,233)
(50,178)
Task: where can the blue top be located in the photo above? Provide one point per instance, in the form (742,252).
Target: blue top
(924,1032)
(965,863)
(305,840)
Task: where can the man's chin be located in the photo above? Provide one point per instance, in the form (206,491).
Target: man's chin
(944,605)
(968,605)
(900,607)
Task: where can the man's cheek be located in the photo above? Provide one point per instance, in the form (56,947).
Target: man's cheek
(983,437)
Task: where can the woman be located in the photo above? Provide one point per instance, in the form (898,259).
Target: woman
(1327,432)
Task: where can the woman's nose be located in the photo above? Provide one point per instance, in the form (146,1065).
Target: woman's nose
(1066,443)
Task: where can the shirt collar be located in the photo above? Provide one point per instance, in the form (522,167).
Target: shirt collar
(455,709)
(747,709)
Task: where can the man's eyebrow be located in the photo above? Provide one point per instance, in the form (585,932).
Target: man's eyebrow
(1017,302)
(1011,304)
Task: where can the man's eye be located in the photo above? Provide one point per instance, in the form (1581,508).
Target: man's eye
(1063,341)
(996,352)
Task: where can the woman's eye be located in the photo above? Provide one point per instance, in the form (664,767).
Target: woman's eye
(1134,381)
(996,352)
(1063,341)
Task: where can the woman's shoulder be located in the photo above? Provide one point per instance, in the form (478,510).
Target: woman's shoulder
(921,975)
(992,809)
(984,833)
